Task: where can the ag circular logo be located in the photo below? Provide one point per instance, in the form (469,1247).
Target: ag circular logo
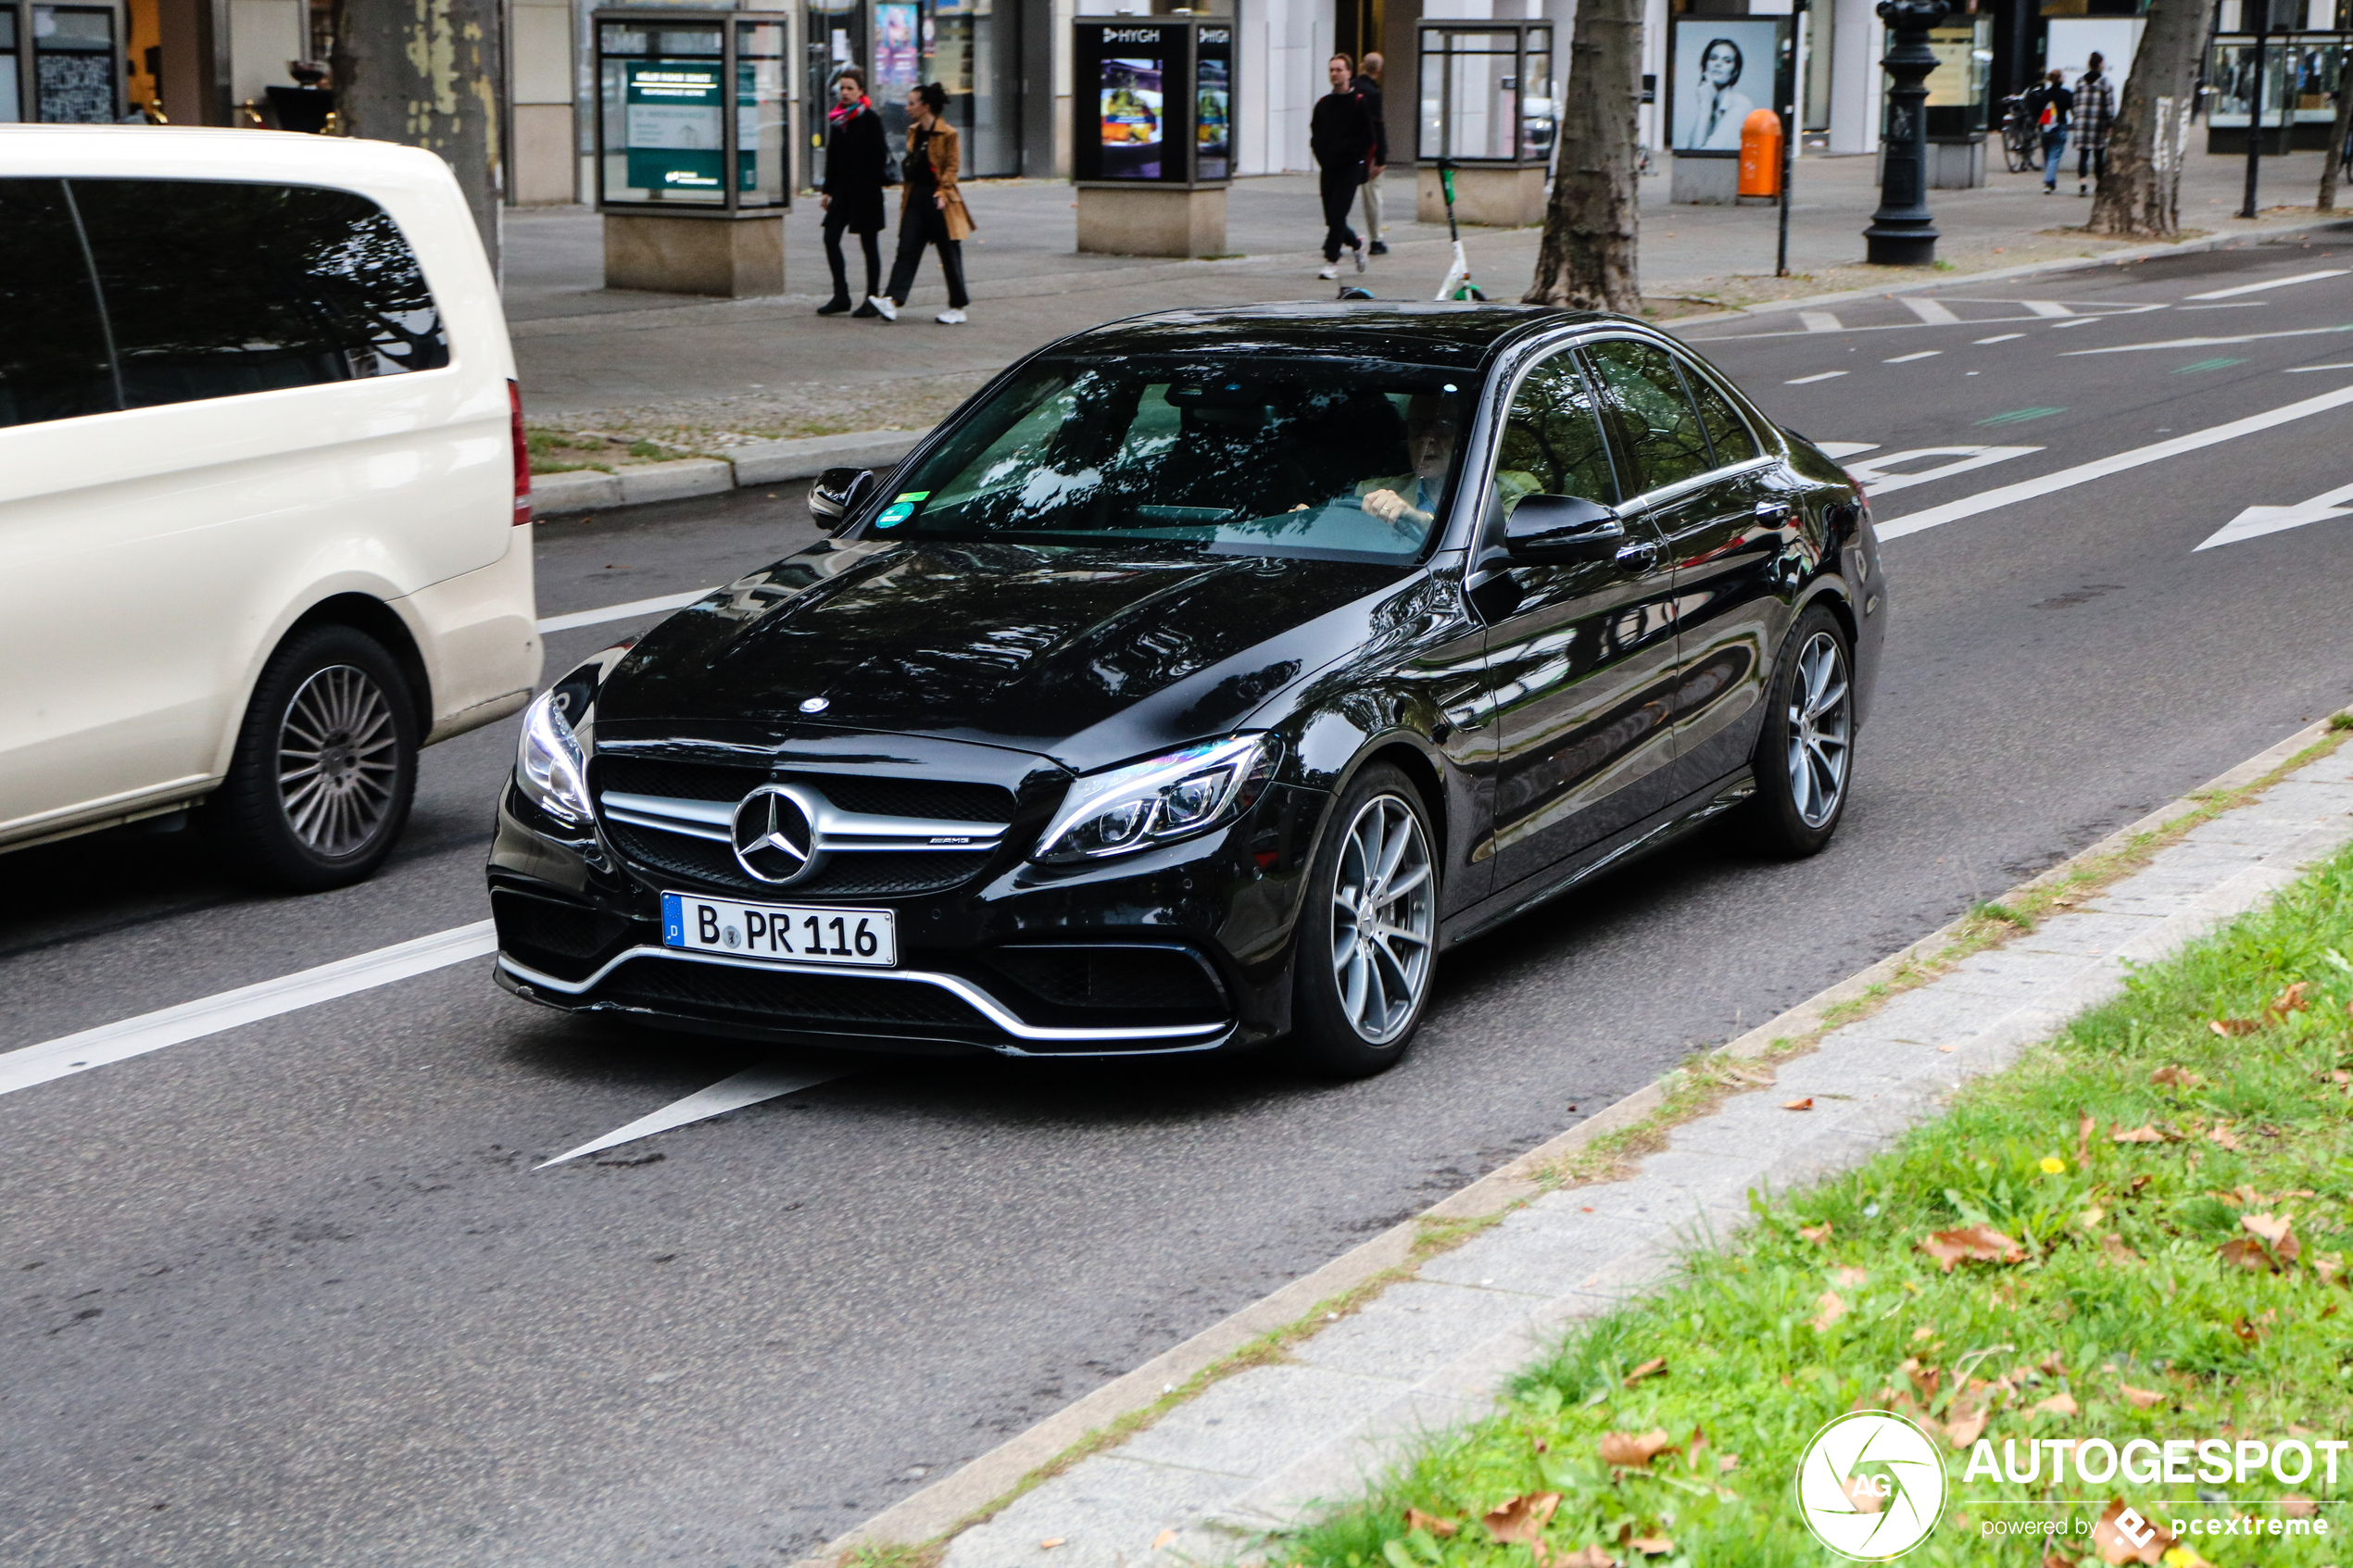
(1871,1486)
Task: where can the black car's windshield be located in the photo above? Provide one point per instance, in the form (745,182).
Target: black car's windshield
(1338,460)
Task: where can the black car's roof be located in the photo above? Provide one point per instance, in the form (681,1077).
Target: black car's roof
(1459,337)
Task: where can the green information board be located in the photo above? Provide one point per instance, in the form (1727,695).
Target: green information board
(674,135)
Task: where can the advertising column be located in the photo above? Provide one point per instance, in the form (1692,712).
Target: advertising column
(1151,145)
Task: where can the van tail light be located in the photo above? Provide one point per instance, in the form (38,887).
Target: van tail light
(523,454)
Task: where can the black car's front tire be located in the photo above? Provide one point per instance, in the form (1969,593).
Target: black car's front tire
(1367,944)
(1805,755)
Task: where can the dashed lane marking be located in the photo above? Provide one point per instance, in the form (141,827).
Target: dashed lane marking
(2205,342)
(69,1054)
(2274,284)
(2301,369)
(634,608)
(2000,337)
(2031,489)
(1808,380)
(1907,359)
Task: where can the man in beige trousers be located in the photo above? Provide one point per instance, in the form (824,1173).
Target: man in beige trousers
(1367,87)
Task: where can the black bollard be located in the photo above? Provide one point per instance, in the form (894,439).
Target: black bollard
(1903,232)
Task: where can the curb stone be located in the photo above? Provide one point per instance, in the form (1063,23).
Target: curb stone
(1553,1258)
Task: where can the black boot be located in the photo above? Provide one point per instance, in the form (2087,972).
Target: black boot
(837,305)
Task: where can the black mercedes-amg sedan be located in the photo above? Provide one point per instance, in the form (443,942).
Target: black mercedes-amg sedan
(1197,683)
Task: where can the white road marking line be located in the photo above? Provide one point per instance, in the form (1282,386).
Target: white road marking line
(2234,305)
(1818,320)
(2256,521)
(1935,312)
(2073,321)
(2274,284)
(1877,478)
(69,1054)
(748,1087)
(2000,337)
(2301,370)
(1907,359)
(1837,449)
(1808,380)
(2029,489)
(2047,307)
(2205,342)
(620,612)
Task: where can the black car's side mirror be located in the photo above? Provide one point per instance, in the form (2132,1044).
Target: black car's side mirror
(837,494)
(1544,530)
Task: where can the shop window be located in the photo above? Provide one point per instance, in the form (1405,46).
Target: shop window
(214,288)
(53,346)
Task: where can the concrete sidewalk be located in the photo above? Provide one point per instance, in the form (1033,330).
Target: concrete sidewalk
(709,374)
(1265,1447)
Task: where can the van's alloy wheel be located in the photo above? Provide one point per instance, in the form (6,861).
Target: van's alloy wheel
(1367,941)
(338,760)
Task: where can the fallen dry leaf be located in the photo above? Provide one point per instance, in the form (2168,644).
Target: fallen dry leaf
(1651,1368)
(1652,1545)
(2226,1027)
(2248,1332)
(1631,1451)
(2058,1559)
(1523,1519)
(2278,1232)
(1049,1544)
(1805,1104)
(2083,1130)
(2118,1253)
(2180,1077)
(1927,1379)
(1167,1536)
(2298,1506)
(2293,999)
(1587,1556)
(1414,1520)
(2115,1550)
(1965,1423)
(1971,1244)
(1833,1308)
(1728,1463)
(2141,1398)
(2221,1134)
(2245,1253)
(2141,1134)
(2328,1265)
(1849,1276)
(1816,1234)
(2057,1404)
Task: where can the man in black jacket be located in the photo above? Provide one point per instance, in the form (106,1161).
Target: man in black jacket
(1341,136)
(1367,87)
(852,195)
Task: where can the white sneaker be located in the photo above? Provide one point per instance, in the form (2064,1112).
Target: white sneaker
(949,318)
(1329,273)
(882,307)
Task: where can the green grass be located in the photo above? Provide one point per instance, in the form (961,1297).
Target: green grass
(2123,1301)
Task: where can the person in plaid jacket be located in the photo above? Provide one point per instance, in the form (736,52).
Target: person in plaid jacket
(2094,112)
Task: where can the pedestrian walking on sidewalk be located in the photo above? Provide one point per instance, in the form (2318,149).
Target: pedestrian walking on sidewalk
(931,210)
(1341,136)
(2094,112)
(1367,86)
(857,154)
(2048,107)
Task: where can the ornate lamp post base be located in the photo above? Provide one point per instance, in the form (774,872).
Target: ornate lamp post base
(1903,232)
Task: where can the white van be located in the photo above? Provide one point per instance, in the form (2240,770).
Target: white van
(264,502)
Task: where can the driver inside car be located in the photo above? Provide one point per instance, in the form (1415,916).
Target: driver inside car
(1408,502)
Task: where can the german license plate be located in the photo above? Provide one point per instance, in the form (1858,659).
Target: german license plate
(793,933)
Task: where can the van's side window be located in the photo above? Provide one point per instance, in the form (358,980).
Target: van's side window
(216,288)
(53,345)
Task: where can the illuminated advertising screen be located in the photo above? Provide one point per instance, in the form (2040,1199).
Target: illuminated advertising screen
(1214,104)
(1132,108)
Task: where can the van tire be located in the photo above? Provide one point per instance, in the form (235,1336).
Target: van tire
(325,766)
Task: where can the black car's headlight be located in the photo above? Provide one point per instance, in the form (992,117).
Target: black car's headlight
(551,763)
(1160,799)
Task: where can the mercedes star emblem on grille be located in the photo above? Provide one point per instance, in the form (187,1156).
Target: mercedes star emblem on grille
(774,837)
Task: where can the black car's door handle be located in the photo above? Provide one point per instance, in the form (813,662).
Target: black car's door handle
(1775,512)
(1639,555)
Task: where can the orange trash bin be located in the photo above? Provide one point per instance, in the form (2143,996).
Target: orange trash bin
(1761,154)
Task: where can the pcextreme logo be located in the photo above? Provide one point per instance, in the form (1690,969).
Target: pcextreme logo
(1871,1485)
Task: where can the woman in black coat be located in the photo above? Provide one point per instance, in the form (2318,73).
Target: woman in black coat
(855,159)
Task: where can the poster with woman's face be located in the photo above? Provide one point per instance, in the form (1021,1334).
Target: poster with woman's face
(1722,72)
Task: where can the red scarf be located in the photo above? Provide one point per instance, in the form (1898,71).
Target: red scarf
(837,113)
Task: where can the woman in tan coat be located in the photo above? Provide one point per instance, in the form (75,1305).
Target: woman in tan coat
(931,210)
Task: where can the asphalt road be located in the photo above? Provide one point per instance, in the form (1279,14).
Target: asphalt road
(295,1293)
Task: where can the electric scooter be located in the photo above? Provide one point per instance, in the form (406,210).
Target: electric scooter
(1458,284)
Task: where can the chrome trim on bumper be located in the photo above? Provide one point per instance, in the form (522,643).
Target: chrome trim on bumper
(835,830)
(957,986)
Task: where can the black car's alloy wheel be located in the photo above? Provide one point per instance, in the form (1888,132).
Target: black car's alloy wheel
(325,766)
(1368,937)
(1805,758)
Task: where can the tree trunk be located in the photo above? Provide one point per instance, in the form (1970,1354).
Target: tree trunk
(1587,261)
(426,72)
(2333,166)
(2140,196)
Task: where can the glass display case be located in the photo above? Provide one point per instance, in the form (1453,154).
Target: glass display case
(60,65)
(684,97)
(2300,75)
(1960,88)
(1486,93)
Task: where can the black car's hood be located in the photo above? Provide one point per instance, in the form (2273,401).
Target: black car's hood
(1019,645)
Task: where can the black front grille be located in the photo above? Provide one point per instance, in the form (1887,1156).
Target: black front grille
(780,999)
(1158,980)
(863,874)
(680,781)
(565,940)
(937,799)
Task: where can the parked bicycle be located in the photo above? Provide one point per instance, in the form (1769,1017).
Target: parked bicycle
(2022,141)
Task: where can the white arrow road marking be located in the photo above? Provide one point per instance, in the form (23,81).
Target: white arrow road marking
(2256,521)
(2030,489)
(69,1054)
(749,1087)
(2274,284)
(2202,341)
(1881,475)
(620,612)
(2299,370)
